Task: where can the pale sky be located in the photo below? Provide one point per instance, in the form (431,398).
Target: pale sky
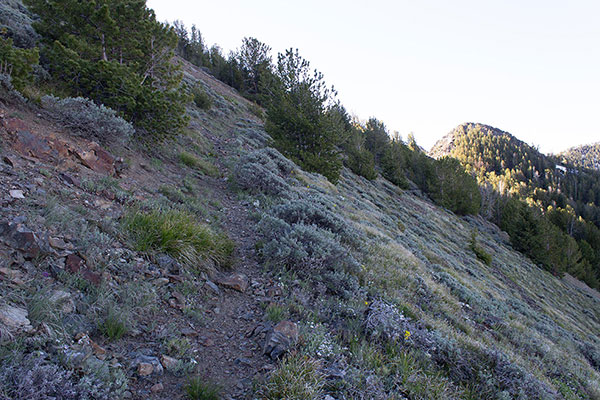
(529,67)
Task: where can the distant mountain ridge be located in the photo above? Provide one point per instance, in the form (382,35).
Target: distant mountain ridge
(483,149)
(584,156)
(446,144)
(553,190)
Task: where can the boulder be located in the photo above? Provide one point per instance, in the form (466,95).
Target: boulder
(13,321)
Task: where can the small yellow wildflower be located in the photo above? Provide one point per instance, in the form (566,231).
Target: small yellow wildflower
(366,303)
(406,335)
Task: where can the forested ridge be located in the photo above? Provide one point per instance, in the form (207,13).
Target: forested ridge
(549,206)
(586,156)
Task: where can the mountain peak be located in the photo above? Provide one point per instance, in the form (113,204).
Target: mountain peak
(445,145)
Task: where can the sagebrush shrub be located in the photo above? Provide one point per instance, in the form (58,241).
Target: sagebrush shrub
(384,320)
(312,211)
(89,119)
(16,19)
(272,159)
(265,171)
(304,248)
(35,377)
(8,91)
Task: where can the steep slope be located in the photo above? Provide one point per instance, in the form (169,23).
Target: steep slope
(364,290)
(585,156)
(124,312)
(424,302)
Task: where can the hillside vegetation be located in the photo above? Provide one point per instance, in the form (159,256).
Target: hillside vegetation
(550,209)
(267,244)
(585,156)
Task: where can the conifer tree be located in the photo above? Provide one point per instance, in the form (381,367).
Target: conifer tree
(255,62)
(115,53)
(17,63)
(298,118)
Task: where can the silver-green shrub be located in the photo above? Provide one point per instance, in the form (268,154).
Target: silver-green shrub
(32,377)
(312,211)
(92,121)
(16,19)
(8,91)
(264,171)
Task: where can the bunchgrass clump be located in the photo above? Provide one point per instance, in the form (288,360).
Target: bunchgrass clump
(113,326)
(276,313)
(198,389)
(296,378)
(178,234)
(199,164)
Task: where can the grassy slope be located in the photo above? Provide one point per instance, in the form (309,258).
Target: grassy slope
(416,257)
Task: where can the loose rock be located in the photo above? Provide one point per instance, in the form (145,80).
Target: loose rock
(145,369)
(63,300)
(237,282)
(16,194)
(287,328)
(159,387)
(169,363)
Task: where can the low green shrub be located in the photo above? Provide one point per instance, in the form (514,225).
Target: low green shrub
(481,254)
(17,63)
(361,162)
(201,99)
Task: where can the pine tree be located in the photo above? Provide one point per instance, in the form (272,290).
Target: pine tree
(255,62)
(17,63)
(115,53)
(298,119)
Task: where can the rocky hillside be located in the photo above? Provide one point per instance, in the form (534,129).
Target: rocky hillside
(214,267)
(586,156)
